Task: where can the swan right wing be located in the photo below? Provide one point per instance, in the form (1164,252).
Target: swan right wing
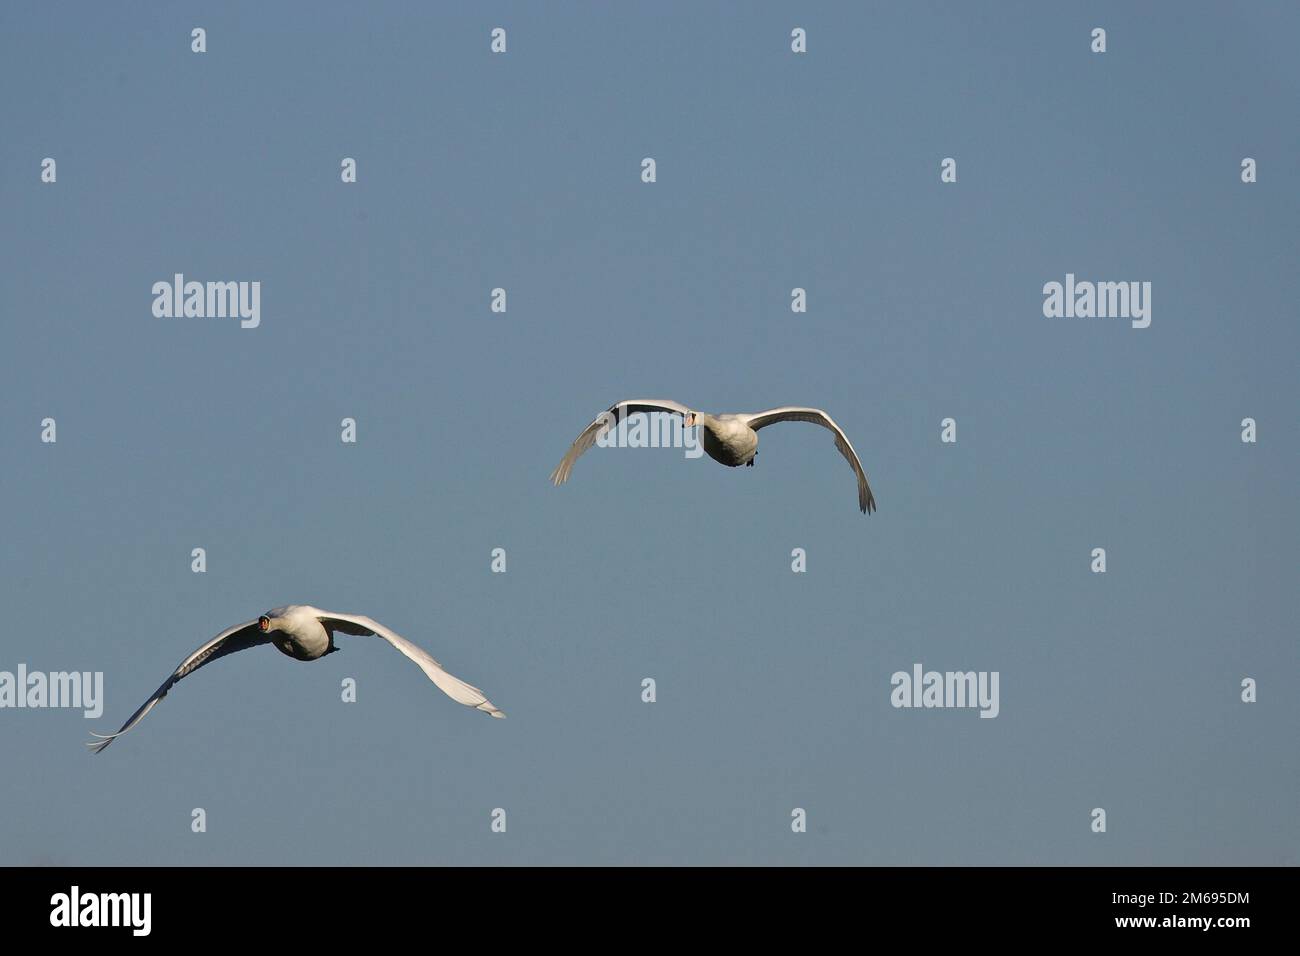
(237,638)
(606,420)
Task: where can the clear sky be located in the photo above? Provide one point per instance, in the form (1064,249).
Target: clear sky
(775,170)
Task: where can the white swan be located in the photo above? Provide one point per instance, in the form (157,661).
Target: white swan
(729,439)
(304,633)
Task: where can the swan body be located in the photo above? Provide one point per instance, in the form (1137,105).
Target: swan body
(298,632)
(728,439)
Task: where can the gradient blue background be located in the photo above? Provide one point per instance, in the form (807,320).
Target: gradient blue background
(775,170)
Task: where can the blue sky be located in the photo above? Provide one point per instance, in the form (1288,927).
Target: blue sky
(775,170)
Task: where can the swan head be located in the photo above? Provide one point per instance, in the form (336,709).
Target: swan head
(690,420)
(264,623)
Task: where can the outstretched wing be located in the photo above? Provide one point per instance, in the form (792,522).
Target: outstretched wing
(237,638)
(453,687)
(794,413)
(610,419)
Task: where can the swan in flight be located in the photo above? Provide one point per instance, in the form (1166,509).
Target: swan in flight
(729,439)
(304,633)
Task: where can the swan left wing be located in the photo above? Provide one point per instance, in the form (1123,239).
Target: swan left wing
(794,413)
(453,687)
